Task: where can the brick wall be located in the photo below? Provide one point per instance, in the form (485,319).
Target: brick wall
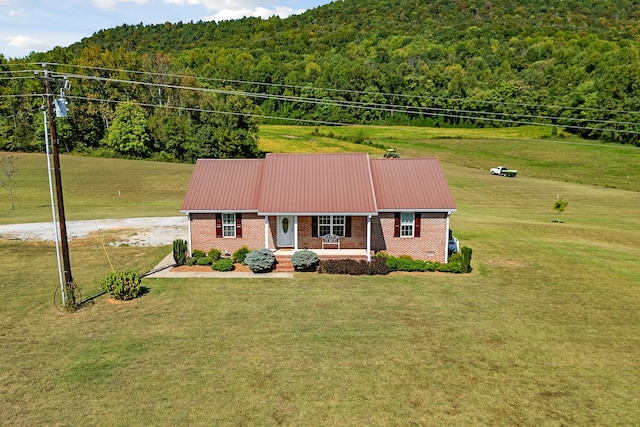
(203,233)
(358,239)
(431,245)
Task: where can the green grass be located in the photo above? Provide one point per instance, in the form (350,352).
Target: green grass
(544,331)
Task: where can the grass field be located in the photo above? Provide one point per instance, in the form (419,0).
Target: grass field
(544,331)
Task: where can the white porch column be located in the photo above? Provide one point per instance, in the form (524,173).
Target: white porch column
(369,238)
(295,233)
(266,231)
(446,241)
(189,238)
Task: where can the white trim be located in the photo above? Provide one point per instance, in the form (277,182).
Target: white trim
(320,213)
(235,221)
(266,231)
(332,225)
(446,245)
(406,223)
(208,211)
(419,210)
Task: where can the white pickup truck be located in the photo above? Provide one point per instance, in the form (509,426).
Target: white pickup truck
(503,171)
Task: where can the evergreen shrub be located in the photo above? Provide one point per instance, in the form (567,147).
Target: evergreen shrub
(260,260)
(214,254)
(205,260)
(198,253)
(122,285)
(240,255)
(191,260)
(225,264)
(180,251)
(305,260)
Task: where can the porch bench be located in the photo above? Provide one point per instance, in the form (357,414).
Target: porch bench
(330,239)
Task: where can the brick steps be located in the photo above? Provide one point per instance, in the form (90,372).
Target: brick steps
(284,265)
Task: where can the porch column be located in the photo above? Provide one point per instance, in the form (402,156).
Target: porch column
(189,237)
(266,231)
(369,238)
(295,233)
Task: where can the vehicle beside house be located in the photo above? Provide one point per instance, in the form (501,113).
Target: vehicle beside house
(288,202)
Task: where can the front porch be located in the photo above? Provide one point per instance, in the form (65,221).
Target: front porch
(327,253)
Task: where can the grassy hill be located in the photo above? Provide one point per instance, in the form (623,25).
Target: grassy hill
(542,332)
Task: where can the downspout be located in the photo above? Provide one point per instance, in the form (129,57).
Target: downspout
(266,231)
(369,238)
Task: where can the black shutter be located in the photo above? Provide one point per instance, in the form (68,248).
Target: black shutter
(314,226)
(347,226)
(416,227)
(238,225)
(396,225)
(219,226)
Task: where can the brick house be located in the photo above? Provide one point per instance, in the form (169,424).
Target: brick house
(288,202)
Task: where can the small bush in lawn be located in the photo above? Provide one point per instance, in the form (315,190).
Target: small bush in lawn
(205,260)
(260,260)
(225,264)
(198,253)
(192,260)
(122,285)
(214,254)
(240,255)
(305,260)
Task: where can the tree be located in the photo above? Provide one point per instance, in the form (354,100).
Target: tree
(9,169)
(128,134)
(559,206)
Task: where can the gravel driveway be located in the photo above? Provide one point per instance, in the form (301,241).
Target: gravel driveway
(156,231)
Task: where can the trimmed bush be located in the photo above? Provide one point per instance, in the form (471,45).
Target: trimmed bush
(214,254)
(240,255)
(378,266)
(180,251)
(205,260)
(305,260)
(225,264)
(466,259)
(260,260)
(122,285)
(354,267)
(198,253)
(191,260)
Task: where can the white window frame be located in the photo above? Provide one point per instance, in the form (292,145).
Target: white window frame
(332,224)
(407,224)
(228,225)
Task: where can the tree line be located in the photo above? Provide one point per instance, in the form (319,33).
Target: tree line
(566,63)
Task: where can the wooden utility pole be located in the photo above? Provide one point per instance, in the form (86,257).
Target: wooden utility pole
(64,245)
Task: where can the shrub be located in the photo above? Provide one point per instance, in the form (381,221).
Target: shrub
(466,259)
(353,267)
(191,260)
(205,260)
(122,285)
(378,266)
(225,264)
(305,260)
(214,254)
(240,255)
(260,260)
(198,253)
(180,251)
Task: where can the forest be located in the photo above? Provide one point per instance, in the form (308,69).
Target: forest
(180,91)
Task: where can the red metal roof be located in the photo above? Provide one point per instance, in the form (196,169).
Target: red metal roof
(312,184)
(317,183)
(224,185)
(410,184)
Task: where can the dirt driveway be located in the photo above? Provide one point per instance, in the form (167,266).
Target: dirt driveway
(157,231)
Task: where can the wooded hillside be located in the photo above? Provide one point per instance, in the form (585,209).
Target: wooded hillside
(574,64)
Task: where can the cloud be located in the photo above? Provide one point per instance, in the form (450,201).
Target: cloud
(111,4)
(229,14)
(24,42)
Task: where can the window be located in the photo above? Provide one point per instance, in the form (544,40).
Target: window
(406,224)
(229,225)
(328,224)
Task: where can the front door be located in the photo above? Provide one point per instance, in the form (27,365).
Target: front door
(285,231)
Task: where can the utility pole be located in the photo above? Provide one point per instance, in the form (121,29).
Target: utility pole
(64,245)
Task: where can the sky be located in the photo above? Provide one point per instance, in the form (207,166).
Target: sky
(40,25)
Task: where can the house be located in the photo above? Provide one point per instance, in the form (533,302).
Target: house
(288,202)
